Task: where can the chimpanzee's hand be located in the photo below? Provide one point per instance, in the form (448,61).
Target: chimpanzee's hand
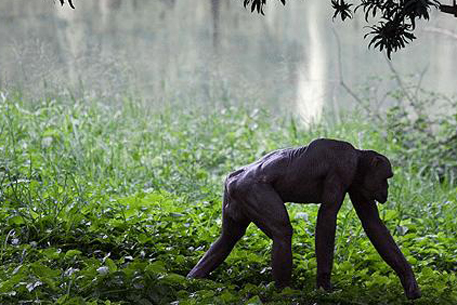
(412,290)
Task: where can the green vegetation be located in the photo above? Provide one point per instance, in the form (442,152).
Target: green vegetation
(115,204)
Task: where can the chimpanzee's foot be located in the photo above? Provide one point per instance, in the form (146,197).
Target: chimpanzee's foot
(282,285)
(412,290)
(323,281)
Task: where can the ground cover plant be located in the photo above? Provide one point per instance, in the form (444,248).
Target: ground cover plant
(114,204)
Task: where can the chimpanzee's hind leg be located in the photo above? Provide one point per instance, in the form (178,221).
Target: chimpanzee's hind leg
(267,210)
(233,228)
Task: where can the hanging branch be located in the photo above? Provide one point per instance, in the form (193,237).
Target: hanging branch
(391,23)
(449,9)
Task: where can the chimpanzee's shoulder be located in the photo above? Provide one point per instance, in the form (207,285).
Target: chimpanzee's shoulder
(326,143)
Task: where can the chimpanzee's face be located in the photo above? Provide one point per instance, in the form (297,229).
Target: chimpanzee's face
(375,183)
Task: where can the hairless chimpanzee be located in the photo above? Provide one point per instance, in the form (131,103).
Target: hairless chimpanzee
(322,172)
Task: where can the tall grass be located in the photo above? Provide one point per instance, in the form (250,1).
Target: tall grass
(116,203)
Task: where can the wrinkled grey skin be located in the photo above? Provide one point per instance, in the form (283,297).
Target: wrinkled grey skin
(322,172)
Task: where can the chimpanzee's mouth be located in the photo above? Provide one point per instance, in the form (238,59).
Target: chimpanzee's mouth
(381,201)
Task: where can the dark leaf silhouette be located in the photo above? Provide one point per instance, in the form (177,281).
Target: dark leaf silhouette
(390,36)
(342,8)
(257,5)
(70,3)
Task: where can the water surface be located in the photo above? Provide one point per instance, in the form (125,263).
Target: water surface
(204,52)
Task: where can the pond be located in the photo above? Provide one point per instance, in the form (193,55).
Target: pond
(208,52)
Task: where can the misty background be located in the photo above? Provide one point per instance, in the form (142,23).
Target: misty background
(213,52)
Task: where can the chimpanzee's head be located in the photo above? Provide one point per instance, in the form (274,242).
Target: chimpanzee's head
(373,171)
